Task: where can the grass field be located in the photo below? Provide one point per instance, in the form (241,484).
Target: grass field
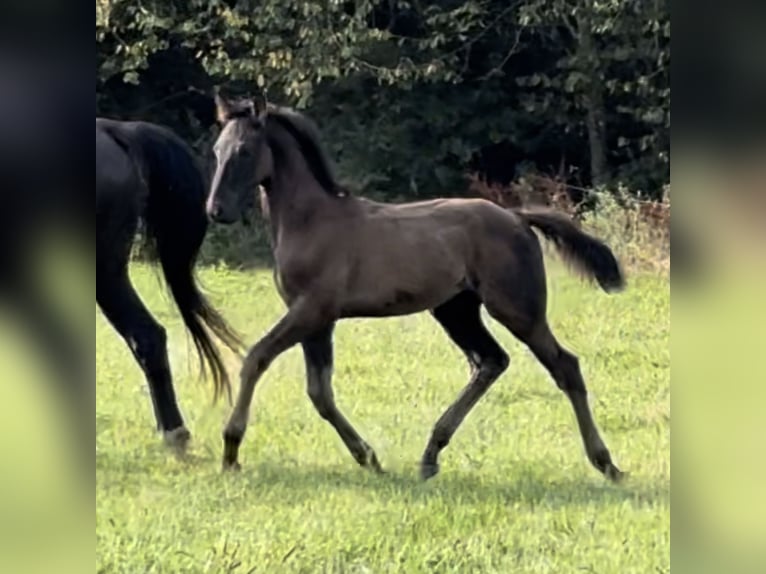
(515,494)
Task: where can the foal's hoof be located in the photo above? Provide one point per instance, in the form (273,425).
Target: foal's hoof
(374,464)
(177,439)
(428,470)
(614,474)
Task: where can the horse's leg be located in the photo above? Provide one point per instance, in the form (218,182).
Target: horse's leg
(318,353)
(461,319)
(564,367)
(301,320)
(148,342)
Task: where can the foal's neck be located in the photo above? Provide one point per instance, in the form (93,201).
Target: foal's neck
(295,198)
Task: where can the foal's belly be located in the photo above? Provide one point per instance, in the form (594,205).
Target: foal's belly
(404,261)
(400,303)
(389,297)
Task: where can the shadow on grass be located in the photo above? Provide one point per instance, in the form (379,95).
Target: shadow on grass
(531,486)
(131,465)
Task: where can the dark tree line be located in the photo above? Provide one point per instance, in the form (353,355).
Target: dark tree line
(412,95)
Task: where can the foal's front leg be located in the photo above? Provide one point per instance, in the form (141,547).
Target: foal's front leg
(300,321)
(317,350)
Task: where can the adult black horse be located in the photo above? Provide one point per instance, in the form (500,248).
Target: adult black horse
(143,171)
(146,172)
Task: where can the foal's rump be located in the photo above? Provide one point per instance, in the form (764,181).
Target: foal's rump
(491,226)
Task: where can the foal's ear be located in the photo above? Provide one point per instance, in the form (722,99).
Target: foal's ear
(223,108)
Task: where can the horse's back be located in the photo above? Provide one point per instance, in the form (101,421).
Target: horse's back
(120,192)
(114,168)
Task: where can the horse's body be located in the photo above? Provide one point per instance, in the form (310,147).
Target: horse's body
(144,171)
(340,256)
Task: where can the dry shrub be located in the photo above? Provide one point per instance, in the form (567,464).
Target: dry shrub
(638,230)
(531,190)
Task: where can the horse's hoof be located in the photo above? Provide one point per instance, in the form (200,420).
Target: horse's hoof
(177,439)
(231,466)
(428,470)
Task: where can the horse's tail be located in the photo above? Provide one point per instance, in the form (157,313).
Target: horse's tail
(175,227)
(587,254)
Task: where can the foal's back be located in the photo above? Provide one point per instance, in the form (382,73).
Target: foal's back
(444,229)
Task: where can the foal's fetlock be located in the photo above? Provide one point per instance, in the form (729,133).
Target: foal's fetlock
(367,458)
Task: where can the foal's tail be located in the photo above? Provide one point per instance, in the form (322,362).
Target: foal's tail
(587,254)
(175,227)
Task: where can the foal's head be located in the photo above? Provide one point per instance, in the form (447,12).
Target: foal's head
(243,157)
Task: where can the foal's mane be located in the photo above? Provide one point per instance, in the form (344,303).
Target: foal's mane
(306,134)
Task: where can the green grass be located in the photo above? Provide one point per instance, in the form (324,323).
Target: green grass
(515,494)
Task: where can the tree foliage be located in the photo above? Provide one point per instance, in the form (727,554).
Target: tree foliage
(411,95)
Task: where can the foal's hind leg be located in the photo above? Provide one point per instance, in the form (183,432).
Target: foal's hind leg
(525,318)
(564,367)
(147,340)
(317,351)
(461,319)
